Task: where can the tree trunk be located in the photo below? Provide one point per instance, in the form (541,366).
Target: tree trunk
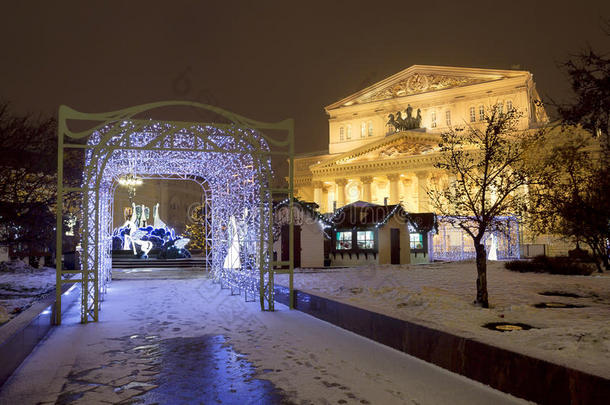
(482,298)
(599,255)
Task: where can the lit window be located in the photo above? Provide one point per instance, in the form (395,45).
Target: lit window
(481,113)
(363,130)
(341,133)
(448,118)
(417,241)
(365,240)
(509,106)
(370,128)
(349,131)
(433,119)
(344,240)
(473,114)
(500,107)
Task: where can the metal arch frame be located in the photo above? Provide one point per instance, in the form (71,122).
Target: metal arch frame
(100,147)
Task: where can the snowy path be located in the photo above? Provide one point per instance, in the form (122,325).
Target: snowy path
(186,341)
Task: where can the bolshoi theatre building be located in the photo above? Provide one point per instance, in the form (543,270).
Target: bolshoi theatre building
(383,140)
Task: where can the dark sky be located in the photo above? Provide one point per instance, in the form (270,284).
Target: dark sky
(272,60)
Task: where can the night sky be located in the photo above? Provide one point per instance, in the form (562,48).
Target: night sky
(272,60)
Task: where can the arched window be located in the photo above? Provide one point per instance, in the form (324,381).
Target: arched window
(349,132)
(341,133)
(370,128)
(363,130)
(473,114)
(500,107)
(448,118)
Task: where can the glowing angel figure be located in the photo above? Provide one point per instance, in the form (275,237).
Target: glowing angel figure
(493,249)
(242,231)
(157,223)
(232,260)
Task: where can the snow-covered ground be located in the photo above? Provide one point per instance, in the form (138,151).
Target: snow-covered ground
(441,295)
(156,336)
(21,285)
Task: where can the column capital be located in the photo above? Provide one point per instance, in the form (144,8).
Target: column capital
(317,184)
(422,174)
(366,179)
(341,182)
(393,176)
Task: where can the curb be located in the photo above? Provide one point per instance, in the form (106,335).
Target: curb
(31,326)
(514,373)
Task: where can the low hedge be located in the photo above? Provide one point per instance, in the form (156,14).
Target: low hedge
(553,265)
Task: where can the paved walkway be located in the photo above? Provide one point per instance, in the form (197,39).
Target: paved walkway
(173,341)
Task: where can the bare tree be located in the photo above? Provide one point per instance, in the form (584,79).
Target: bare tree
(574,201)
(488,171)
(28,147)
(588,73)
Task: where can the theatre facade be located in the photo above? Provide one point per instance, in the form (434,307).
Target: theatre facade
(383,140)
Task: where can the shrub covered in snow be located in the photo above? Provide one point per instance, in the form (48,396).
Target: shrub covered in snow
(552,265)
(17,266)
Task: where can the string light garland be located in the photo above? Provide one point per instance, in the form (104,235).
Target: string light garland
(233,163)
(451,243)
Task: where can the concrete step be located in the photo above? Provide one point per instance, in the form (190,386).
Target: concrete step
(129,263)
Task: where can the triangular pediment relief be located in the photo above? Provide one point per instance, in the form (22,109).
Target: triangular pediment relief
(396,146)
(420,79)
(418,83)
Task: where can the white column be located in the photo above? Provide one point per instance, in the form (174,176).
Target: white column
(407,200)
(423,201)
(366,188)
(393,188)
(317,192)
(324,204)
(340,192)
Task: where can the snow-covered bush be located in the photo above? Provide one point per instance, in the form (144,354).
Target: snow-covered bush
(553,265)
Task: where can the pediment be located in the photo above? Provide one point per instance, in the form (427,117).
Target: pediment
(417,83)
(420,79)
(397,146)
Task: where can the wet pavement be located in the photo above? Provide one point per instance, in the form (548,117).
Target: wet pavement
(206,368)
(195,370)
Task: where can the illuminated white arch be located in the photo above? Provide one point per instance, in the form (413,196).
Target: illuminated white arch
(233,159)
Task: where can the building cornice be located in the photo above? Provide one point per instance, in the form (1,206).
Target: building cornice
(411,136)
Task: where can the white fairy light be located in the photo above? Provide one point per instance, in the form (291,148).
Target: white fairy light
(232,162)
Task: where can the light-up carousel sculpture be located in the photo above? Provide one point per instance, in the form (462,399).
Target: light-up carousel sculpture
(136,235)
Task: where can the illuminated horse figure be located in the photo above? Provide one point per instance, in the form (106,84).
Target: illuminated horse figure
(131,224)
(157,223)
(135,235)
